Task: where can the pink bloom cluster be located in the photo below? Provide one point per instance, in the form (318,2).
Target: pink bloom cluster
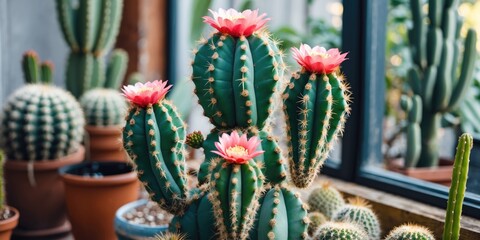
(318,59)
(236,23)
(143,94)
(237,149)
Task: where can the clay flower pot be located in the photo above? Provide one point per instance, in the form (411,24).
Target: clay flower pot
(105,144)
(94,191)
(7,225)
(42,205)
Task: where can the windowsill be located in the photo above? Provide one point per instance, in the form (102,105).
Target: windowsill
(394,210)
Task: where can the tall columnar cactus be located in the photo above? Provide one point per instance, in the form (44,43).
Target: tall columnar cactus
(457,189)
(242,191)
(359,212)
(413,107)
(315,105)
(340,231)
(436,49)
(412,232)
(325,199)
(90,30)
(40,121)
(103,107)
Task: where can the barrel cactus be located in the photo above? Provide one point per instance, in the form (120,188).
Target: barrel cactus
(90,29)
(103,107)
(326,200)
(359,211)
(40,121)
(243,190)
(410,231)
(340,231)
(316,220)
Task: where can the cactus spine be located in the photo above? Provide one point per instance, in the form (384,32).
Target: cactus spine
(410,231)
(340,231)
(103,107)
(326,200)
(458,187)
(360,213)
(435,50)
(90,31)
(316,220)
(40,121)
(413,107)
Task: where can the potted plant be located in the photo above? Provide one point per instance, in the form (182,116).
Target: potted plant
(41,131)
(93,193)
(8,215)
(245,193)
(434,84)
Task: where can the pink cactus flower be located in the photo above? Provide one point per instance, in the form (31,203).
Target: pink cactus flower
(318,59)
(143,94)
(236,23)
(237,149)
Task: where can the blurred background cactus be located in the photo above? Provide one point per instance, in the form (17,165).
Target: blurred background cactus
(40,121)
(90,29)
(436,53)
(103,107)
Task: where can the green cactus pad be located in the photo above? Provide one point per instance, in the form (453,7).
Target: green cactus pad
(410,232)
(41,122)
(340,231)
(326,200)
(359,212)
(103,107)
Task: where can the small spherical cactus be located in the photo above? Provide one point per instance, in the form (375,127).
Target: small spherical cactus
(171,236)
(41,122)
(358,211)
(326,200)
(340,231)
(195,139)
(316,219)
(410,232)
(103,107)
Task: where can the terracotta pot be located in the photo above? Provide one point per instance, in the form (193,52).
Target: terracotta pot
(7,225)
(441,174)
(93,201)
(42,205)
(105,144)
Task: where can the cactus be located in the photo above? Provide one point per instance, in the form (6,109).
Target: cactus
(340,231)
(103,107)
(410,231)
(315,105)
(457,189)
(326,200)
(40,121)
(435,47)
(358,211)
(413,107)
(135,77)
(243,191)
(316,220)
(90,30)
(170,236)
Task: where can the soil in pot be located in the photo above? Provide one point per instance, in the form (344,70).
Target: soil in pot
(105,143)
(94,191)
(30,185)
(8,221)
(149,214)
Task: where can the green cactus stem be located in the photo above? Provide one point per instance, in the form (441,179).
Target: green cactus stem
(46,72)
(154,138)
(435,47)
(103,107)
(33,71)
(316,220)
(235,191)
(413,106)
(116,69)
(326,200)
(410,231)
(358,211)
(457,189)
(315,108)
(340,231)
(244,69)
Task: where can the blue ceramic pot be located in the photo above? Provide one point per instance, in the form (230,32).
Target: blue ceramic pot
(131,231)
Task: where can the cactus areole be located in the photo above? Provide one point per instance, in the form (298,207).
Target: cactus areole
(243,191)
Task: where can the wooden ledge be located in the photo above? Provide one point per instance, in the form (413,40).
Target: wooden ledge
(394,210)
